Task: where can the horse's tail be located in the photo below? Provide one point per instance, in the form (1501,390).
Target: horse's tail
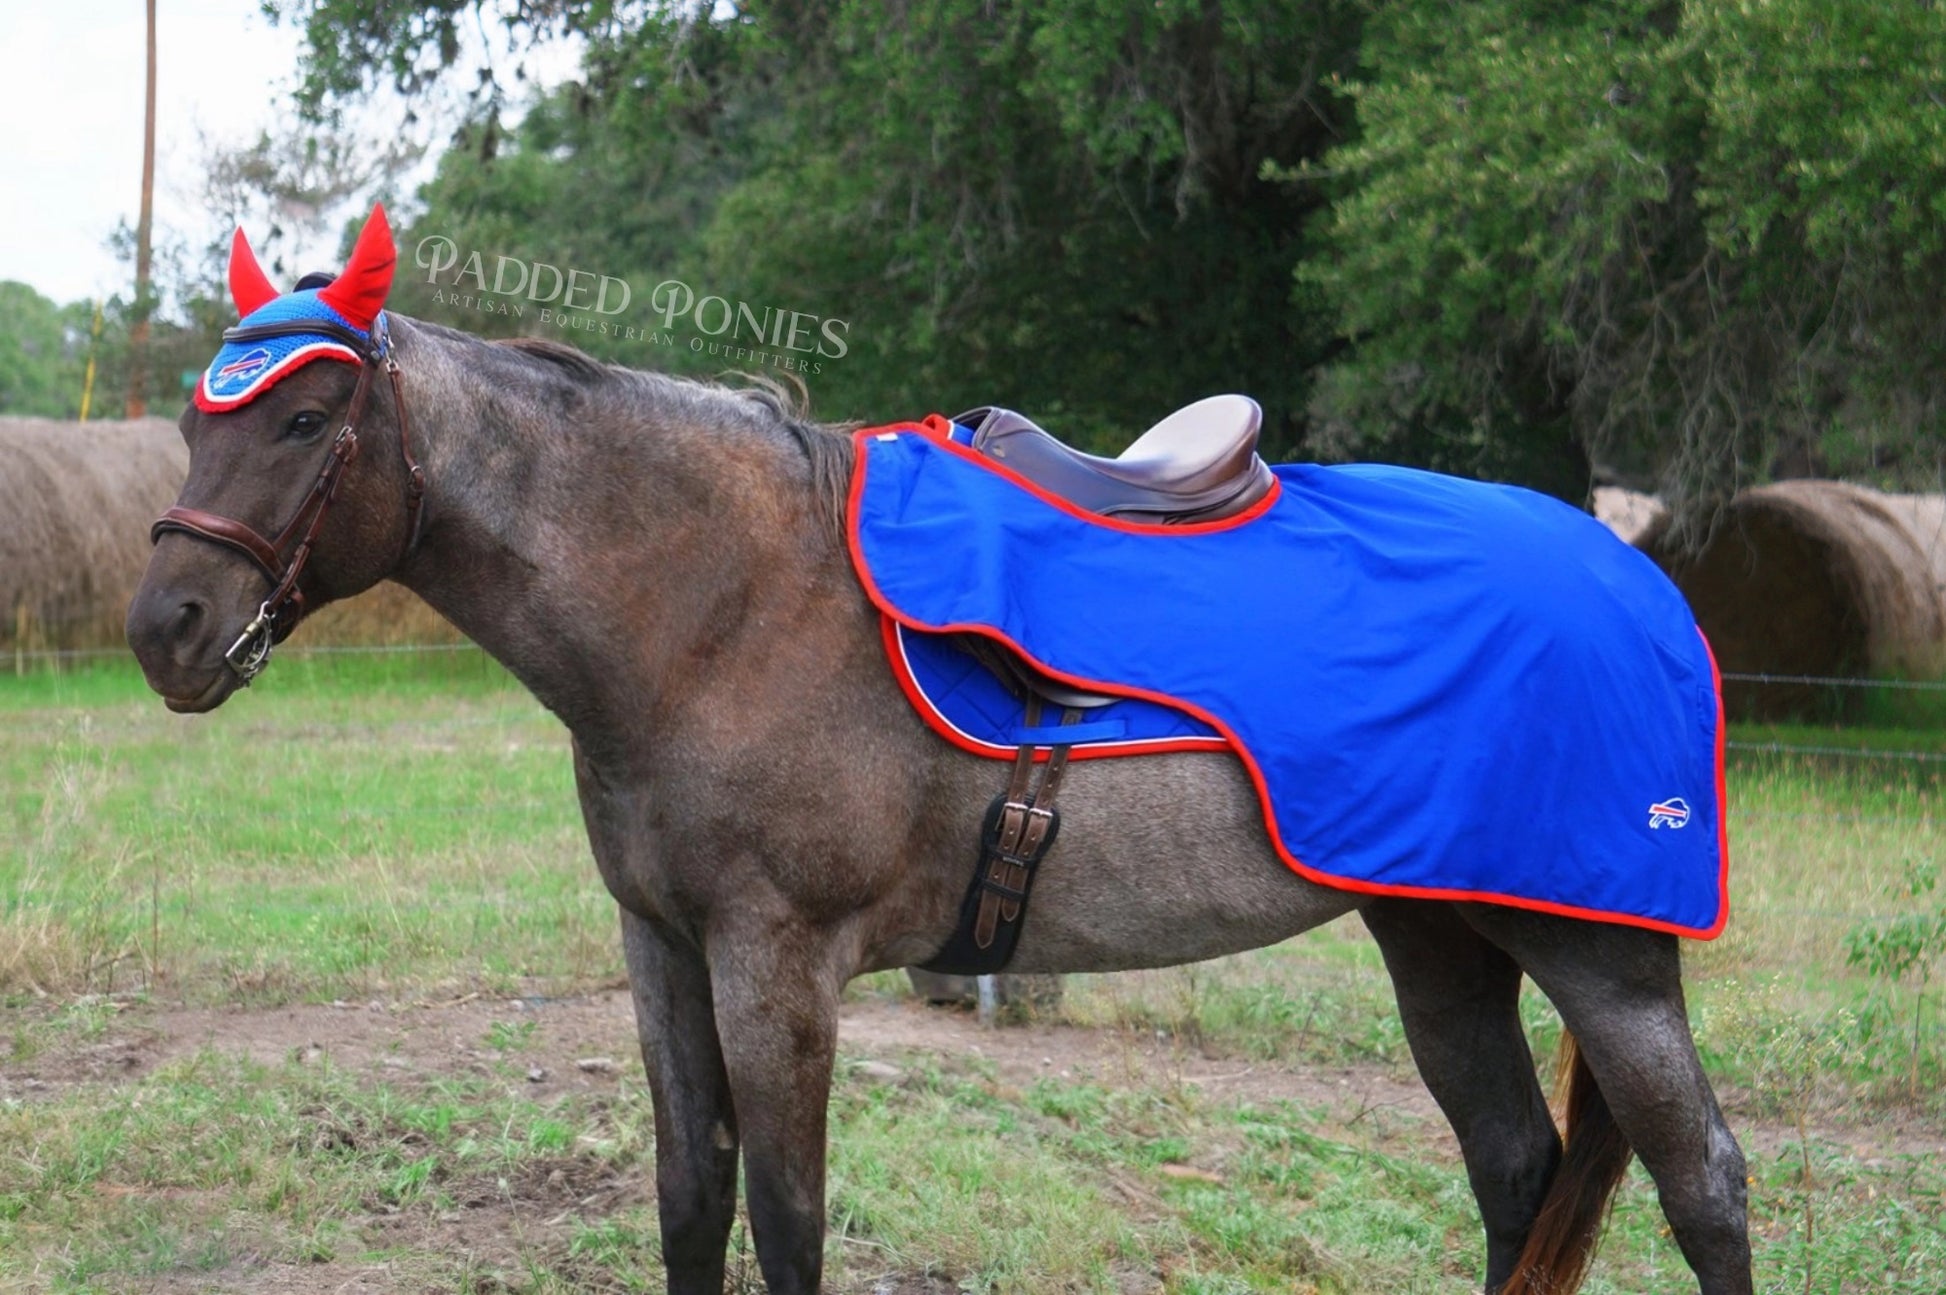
(1563,1240)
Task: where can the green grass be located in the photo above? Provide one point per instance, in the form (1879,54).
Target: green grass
(404,827)
(350,824)
(215,1162)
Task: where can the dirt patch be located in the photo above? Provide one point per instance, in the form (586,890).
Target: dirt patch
(472,1035)
(586,1044)
(465,1036)
(1021,1055)
(281,1279)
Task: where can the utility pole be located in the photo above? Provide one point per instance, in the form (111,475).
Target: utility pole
(138,333)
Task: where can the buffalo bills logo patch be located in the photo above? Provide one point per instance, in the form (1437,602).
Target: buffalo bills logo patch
(1673,812)
(239,371)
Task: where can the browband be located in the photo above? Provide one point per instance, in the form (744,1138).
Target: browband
(365,346)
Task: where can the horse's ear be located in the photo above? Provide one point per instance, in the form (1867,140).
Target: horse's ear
(250,287)
(359,293)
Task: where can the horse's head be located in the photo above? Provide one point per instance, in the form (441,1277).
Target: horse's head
(296,495)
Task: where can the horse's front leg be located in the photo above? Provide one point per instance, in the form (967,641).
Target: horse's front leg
(695,1122)
(776,986)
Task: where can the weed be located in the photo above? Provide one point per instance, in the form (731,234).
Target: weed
(1906,947)
(511,1036)
(1785,1058)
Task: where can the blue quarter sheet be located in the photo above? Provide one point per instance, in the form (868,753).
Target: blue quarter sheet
(1442,688)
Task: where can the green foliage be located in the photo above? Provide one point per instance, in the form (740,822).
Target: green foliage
(511,1036)
(1908,946)
(1060,207)
(1684,238)
(43,353)
(1684,244)
(1785,1057)
(355,46)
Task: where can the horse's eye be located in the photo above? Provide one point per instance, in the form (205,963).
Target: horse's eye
(305,425)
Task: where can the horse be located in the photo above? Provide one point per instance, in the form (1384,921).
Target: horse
(662,563)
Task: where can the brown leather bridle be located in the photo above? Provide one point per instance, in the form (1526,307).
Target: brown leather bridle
(282,559)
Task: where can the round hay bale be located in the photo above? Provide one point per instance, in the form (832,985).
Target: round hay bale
(76,500)
(1809,578)
(1925,520)
(1628,513)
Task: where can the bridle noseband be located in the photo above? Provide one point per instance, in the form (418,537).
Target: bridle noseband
(282,559)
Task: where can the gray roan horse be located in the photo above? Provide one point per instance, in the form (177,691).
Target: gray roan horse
(661,562)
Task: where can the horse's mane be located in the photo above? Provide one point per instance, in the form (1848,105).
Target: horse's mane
(575,362)
(827,446)
(782,407)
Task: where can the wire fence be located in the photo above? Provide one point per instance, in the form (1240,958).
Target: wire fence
(461,645)
(39,655)
(1840,752)
(45,656)
(555,813)
(1837,681)
(59,656)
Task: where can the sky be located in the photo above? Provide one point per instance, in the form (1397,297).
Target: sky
(76,171)
(71,131)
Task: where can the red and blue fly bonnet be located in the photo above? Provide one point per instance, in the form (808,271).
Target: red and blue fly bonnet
(270,343)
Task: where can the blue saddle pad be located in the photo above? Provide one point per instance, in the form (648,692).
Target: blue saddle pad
(965,703)
(1441,688)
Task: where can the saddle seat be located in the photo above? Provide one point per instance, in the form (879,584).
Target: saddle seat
(1197,465)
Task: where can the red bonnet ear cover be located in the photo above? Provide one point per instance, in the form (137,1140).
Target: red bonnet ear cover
(293,327)
(359,293)
(249,285)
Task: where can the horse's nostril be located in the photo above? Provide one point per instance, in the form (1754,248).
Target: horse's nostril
(165,628)
(187,618)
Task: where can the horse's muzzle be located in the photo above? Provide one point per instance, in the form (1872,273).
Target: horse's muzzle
(180,642)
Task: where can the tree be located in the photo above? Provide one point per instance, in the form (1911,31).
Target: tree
(1680,244)
(1057,206)
(296,181)
(1681,240)
(1061,208)
(43,350)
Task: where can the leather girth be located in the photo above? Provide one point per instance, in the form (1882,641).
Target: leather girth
(1019,828)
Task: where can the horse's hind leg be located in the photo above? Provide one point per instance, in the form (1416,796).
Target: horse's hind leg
(1459,998)
(1619,989)
(695,1124)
